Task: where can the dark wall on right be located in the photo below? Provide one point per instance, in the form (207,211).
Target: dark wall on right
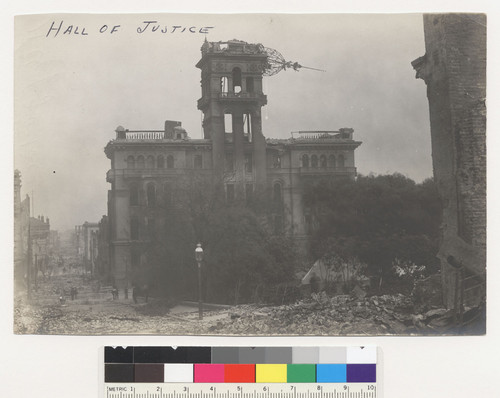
(454,69)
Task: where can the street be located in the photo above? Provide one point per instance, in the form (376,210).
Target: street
(95,312)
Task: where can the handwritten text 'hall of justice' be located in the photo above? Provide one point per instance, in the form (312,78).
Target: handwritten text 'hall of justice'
(146,26)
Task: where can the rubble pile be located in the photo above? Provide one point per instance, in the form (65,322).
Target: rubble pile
(95,312)
(323,315)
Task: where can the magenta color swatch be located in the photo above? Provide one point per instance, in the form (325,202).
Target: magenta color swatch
(208,373)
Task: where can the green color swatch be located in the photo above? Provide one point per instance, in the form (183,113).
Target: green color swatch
(301,373)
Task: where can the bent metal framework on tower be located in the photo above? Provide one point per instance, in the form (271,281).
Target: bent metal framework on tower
(147,164)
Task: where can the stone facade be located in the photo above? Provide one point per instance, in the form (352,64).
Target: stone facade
(147,167)
(454,69)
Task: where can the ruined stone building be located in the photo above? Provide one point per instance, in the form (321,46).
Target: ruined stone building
(86,244)
(233,155)
(454,70)
(21,221)
(34,242)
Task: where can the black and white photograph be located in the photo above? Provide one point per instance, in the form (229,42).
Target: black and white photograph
(250,175)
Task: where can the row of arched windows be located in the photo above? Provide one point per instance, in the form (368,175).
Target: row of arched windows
(150,162)
(323,161)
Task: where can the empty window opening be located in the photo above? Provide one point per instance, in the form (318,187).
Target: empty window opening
(224,84)
(160,162)
(247,126)
(276,161)
(236,80)
(248,162)
(151,194)
(250,85)
(322,161)
(230,193)
(249,192)
(151,228)
(278,224)
(341,162)
(150,162)
(228,123)
(314,161)
(305,161)
(167,194)
(130,162)
(308,223)
(277,192)
(229,166)
(134,229)
(198,162)
(134,195)
(331,161)
(170,162)
(140,162)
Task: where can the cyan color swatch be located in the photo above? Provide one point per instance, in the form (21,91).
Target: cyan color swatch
(331,373)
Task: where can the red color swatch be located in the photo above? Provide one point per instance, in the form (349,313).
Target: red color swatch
(239,373)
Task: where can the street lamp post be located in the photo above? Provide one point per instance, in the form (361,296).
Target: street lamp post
(199,257)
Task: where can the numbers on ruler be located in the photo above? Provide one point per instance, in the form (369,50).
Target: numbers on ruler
(244,391)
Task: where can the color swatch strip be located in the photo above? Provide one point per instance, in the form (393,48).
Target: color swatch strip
(240,365)
(240,373)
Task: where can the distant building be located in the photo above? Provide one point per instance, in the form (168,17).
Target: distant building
(86,243)
(454,69)
(234,156)
(41,246)
(21,221)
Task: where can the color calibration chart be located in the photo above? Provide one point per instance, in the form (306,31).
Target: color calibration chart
(241,372)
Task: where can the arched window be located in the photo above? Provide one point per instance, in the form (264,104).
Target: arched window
(150,162)
(223,84)
(277,161)
(134,195)
(247,126)
(130,162)
(160,162)
(305,160)
(228,123)
(170,162)
(236,80)
(314,161)
(341,162)
(322,161)
(277,192)
(151,194)
(140,162)
(331,161)
(134,229)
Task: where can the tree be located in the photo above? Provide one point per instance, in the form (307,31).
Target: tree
(376,219)
(240,250)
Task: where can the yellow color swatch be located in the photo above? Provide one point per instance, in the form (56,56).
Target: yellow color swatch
(270,373)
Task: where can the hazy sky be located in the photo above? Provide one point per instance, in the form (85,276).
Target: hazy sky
(73,90)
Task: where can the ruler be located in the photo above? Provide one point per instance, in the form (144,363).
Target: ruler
(243,390)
